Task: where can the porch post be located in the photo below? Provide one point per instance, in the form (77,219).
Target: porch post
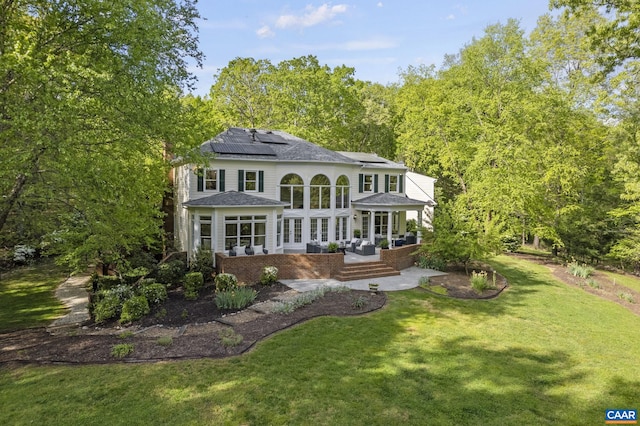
(389,227)
(420,225)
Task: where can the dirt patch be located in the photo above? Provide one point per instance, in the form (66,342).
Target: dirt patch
(457,284)
(180,329)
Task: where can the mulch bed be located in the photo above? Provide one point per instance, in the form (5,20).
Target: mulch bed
(197,328)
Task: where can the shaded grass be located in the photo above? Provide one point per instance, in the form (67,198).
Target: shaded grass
(27,296)
(542,353)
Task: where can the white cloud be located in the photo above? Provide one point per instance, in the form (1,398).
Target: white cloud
(311,17)
(380,4)
(451,17)
(265,32)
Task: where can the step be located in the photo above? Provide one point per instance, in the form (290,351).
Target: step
(366,276)
(361,271)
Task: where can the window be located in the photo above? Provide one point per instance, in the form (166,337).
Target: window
(211,180)
(368,183)
(244,231)
(342,193)
(292,191)
(250,180)
(365,226)
(279,231)
(341,228)
(393,183)
(205,232)
(320,192)
(319,229)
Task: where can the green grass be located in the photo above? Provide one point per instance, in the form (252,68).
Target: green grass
(625,280)
(27,296)
(543,353)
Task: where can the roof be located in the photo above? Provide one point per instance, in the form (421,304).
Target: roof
(233,199)
(371,160)
(387,200)
(238,143)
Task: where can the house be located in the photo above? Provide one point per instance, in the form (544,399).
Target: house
(275,190)
(421,187)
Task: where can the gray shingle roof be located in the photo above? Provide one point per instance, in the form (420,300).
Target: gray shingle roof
(233,198)
(269,145)
(388,200)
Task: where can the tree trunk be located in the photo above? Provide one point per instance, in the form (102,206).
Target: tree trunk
(11,199)
(536,242)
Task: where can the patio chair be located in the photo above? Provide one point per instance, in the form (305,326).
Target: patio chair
(365,249)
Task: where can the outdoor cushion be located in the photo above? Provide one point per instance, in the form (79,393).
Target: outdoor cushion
(240,250)
(258,249)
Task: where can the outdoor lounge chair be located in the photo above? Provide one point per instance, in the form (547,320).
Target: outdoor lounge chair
(365,249)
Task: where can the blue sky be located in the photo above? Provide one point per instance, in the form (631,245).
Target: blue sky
(376,37)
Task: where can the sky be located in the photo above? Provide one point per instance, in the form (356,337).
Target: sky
(375,37)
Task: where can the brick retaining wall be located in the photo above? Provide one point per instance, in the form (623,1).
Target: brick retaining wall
(311,265)
(290,266)
(400,258)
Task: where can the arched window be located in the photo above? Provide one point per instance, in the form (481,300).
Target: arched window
(342,193)
(320,192)
(292,191)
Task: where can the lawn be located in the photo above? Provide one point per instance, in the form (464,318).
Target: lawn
(542,353)
(27,296)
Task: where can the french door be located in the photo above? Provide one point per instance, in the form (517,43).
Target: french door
(292,233)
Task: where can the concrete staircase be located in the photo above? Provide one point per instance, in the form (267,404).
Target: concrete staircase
(365,270)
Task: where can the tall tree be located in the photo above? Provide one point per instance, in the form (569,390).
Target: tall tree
(89,98)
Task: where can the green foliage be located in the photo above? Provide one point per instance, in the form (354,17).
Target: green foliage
(479,281)
(412,226)
(384,243)
(171,273)
(229,338)
(360,302)
(427,260)
(302,299)
(165,341)
(593,283)
(121,350)
(125,334)
(134,308)
(578,270)
(87,171)
(626,296)
(107,307)
(105,282)
(332,247)
(155,293)
(202,261)
(193,282)
(133,275)
(237,298)
(511,243)
(269,275)
(226,282)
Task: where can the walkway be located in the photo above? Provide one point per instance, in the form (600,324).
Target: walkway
(408,278)
(73,294)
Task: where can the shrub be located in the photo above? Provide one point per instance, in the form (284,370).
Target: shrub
(193,282)
(431,262)
(134,309)
(125,334)
(269,275)
(133,275)
(108,307)
(105,282)
(300,300)
(229,338)
(202,261)
(332,247)
(226,282)
(479,281)
(155,293)
(593,283)
(626,296)
(577,270)
(360,302)
(384,243)
(142,259)
(171,272)
(23,254)
(121,350)
(235,299)
(511,243)
(165,341)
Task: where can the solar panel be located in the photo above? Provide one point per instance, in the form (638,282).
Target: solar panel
(242,148)
(270,138)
